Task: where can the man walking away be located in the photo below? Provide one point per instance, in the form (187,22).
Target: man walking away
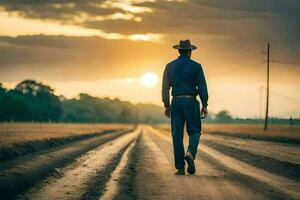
(186,78)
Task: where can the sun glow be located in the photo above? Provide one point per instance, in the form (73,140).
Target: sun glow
(149,79)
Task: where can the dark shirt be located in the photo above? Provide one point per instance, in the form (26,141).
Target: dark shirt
(186,77)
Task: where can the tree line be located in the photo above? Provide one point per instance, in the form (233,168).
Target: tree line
(34,101)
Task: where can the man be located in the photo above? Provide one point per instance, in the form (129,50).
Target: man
(186,78)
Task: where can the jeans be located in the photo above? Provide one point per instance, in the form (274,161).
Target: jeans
(185,111)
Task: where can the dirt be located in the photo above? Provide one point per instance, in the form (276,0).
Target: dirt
(226,178)
(81,179)
(139,165)
(28,170)
(279,151)
(242,135)
(283,168)
(21,149)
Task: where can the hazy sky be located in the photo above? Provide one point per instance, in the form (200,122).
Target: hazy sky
(103,47)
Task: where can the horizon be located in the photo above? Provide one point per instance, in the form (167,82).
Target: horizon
(104,48)
(151,103)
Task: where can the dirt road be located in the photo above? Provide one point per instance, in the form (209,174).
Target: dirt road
(139,165)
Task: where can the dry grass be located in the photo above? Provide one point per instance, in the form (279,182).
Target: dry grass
(16,133)
(275,132)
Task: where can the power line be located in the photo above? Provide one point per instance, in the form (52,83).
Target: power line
(287,97)
(284,62)
(229,73)
(283,95)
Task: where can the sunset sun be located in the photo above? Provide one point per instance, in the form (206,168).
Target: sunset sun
(149,79)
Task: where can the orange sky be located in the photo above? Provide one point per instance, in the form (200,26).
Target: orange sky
(104,47)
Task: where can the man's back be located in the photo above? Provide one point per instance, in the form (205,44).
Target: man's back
(185,77)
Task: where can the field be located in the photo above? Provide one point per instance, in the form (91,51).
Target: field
(280,133)
(17,139)
(117,161)
(12,134)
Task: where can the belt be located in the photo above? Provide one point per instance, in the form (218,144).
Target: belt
(184,96)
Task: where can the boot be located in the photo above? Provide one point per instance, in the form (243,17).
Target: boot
(190,161)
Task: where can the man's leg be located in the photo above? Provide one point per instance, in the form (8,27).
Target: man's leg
(193,126)
(192,114)
(177,125)
(193,143)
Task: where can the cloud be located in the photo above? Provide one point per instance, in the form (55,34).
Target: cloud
(215,17)
(234,30)
(288,7)
(127,6)
(58,9)
(84,41)
(70,10)
(74,58)
(15,26)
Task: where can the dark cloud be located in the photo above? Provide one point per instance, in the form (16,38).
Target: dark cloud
(172,21)
(63,58)
(56,9)
(287,7)
(168,17)
(234,30)
(247,24)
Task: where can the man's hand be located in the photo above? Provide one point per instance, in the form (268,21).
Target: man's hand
(204,112)
(167,112)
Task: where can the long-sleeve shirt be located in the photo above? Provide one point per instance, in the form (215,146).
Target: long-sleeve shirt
(185,77)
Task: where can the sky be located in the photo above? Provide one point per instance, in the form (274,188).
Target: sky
(104,47)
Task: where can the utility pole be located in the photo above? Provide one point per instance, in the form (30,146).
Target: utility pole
(268,85)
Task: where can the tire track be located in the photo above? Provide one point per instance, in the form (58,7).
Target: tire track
(212,180)
(21,149)
(260,180)
(286,169)
(74,179)
(276,150)
(152,177)
(97,186)
(279,151)
(255,153)
(117,181)
(30,169)
(139,165)
(281,184)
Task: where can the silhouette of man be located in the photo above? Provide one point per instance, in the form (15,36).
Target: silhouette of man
(186,78)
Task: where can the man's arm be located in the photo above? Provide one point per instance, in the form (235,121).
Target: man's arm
(166,91)
(202,88)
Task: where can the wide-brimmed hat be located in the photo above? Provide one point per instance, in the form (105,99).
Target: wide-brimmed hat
(185,45)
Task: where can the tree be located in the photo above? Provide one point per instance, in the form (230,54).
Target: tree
(33,88)
(2,91)
(43,104)
(33,101)
(223,116)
